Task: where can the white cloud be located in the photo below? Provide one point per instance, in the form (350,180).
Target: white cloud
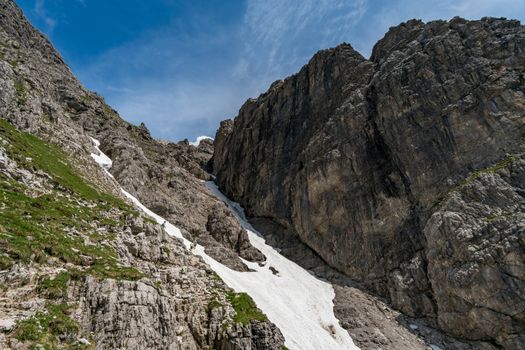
(181,83)
(41,12)
(280,36)
(394,12)
(198,140)
(156,81)
(180,108)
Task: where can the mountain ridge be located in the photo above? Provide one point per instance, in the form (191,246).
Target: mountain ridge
(111,277)
(128,273)
(356,157)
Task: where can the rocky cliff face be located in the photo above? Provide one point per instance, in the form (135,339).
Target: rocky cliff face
(475,255)
(79,266)
(371,164)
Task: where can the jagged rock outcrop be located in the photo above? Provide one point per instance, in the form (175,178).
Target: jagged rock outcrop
(80,267)
(40,95)
(476,260)
(223,226)
(354,156)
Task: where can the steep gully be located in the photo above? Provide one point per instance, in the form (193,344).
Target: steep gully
(297,302)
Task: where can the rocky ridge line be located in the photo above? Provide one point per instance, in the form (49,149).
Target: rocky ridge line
(356,157)
(160,284)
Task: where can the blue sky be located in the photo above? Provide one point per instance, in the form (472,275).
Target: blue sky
(182,66)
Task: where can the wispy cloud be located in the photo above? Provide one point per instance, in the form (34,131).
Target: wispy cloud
(40,10)
(391,13)
(279,36)
(81,2)
(175,80)
(182,81)
(179,109)
(185,77)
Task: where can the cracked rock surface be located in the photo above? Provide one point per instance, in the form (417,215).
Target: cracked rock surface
(114,280)
(354,156)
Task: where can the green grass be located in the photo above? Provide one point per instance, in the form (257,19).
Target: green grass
(45,328)
(490,170)
(54,287)
(214,304)
(53,161)
(34,229)
(245,308)
(86,98)
(58,224)
(21,92)
(37,225)
(108,269)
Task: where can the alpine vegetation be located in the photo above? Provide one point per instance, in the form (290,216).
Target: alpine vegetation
(361,203)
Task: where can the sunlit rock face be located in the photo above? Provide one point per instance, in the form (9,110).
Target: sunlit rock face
(124,283)
(356,155)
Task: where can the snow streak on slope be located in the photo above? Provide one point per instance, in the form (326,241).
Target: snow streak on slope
(103,160)
(298,303)
(197,142)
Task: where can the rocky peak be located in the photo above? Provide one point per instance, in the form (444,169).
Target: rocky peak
(86,269)
(13,22)
(396,36)
(354,156)
(143,129)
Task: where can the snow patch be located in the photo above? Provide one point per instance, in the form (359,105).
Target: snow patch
(197,142)
(298,303)
(103,160)
(96,142)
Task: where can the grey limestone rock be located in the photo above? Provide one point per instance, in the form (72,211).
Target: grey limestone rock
(352,155)
(168,307)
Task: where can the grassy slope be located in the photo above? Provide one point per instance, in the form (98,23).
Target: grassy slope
(34,228)
(58,224)
(56,227)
